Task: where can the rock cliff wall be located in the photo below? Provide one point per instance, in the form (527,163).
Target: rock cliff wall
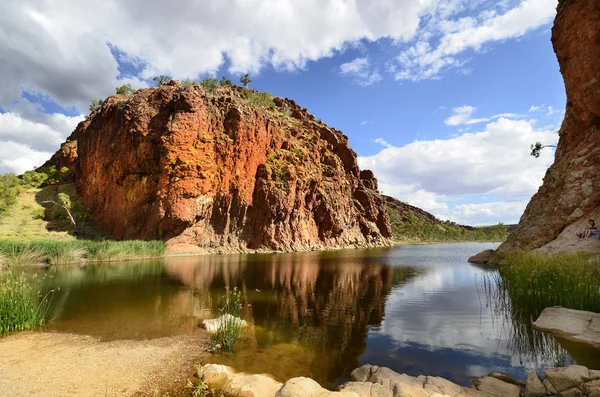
(570,193)
(230,169)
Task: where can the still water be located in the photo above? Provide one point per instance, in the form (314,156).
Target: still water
(418,309)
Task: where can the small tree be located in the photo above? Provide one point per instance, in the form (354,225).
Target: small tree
(125,89)
(95,104)
(225,81)
(161,80)
(245,80)
(537,148)
(66,204)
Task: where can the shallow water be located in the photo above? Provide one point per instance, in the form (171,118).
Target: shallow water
(418,309)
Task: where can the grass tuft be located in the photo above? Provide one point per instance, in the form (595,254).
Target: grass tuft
(20,307)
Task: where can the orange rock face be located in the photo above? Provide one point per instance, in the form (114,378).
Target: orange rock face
(223,170)
(570,194)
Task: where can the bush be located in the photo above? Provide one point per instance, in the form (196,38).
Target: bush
(161,80)
(125,89)
(95,104)
(34,179)
(189,83)
(20,307)
(225,81)
(209,84)
(9,188)
(259,98)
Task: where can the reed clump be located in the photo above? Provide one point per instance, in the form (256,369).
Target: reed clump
(232,327)
(21,307)
(530,282)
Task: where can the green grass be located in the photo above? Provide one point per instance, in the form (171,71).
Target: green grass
(530,282)
(17,253)
(527,284)
(417,228)
(21,308)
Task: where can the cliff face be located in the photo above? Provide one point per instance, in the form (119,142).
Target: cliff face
(228,169)
(570,193)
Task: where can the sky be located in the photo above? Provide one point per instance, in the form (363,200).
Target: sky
(440,98)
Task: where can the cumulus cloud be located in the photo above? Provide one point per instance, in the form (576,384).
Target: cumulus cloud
(360,70)
(425,60)
(63,48)
(495,161)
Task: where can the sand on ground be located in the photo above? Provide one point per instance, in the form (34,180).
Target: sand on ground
(55,364)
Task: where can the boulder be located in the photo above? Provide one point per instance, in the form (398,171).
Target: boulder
(566,378)
(306,387)
(534,386)
(576,325)
(213,325)
(483,258)
(366,389)
(496,387)
(224,379)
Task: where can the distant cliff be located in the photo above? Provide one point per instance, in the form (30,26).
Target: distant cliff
(231,169)
(570,194)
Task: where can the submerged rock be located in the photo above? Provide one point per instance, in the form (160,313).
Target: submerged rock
(213,325)
(576,325)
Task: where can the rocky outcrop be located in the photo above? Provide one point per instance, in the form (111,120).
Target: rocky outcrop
(570,193)
(373,381)
(230,169)
(576,325)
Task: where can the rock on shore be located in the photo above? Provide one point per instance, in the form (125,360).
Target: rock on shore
(373,381)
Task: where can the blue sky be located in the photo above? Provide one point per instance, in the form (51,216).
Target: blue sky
(441,98)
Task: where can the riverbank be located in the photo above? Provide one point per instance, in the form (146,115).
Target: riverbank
(55,364)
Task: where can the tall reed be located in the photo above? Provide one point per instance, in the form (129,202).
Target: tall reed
(531,282)
(21,308)
(232,327)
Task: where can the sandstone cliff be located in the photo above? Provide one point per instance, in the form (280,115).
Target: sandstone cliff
(230,169)
(570,192)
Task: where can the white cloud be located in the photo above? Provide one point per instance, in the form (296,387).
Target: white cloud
(18,158)
(61,48)
(463,116)
(360,70)
(425,61)
(496,161)
(28,137)
(489,213)
(383,142)
(364,122)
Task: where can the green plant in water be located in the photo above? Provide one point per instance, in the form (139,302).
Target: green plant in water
(531,282)
(20,307)
(232,327)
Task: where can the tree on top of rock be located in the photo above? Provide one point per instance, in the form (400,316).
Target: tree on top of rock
(161,80)
(125,89)
(245,80)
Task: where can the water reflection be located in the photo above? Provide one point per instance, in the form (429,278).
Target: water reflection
(415,309)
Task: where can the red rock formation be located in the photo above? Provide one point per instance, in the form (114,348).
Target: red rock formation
(570,194)
(223,170)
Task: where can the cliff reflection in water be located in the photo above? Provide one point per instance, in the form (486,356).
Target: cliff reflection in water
(311,312)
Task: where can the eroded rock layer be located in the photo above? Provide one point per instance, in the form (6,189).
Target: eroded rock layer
(570,193)
(228,169)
